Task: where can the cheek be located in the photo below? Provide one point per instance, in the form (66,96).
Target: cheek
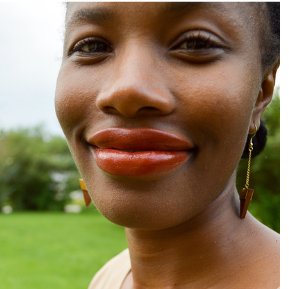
(74,99)
(75,107)
(217,100)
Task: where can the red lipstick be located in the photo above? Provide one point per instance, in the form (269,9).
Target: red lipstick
(138,152)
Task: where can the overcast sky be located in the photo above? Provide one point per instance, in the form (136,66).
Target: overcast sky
(31,45)
(31,35)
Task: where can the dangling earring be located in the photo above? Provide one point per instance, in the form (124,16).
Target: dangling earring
(86,196)
(246,194)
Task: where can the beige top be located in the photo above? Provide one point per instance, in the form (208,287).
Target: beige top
(113,273)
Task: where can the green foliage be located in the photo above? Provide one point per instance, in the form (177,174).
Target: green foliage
(34,170)
(265,176)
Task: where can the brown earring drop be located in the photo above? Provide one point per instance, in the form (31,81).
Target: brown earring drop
(86,196)
(246,194)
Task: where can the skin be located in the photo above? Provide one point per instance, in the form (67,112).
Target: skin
(183,227)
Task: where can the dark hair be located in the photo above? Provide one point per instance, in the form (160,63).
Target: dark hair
(271,34)
(270,56)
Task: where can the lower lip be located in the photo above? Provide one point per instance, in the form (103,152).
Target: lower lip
(139,163)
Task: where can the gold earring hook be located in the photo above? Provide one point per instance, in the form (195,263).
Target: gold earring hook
(253,132)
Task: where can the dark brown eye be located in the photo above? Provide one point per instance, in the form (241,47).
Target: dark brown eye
(199,47)
(90,46)
(198,41)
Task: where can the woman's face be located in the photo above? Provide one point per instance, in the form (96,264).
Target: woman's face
(192,70)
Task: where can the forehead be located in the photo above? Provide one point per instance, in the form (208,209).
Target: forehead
(101,12)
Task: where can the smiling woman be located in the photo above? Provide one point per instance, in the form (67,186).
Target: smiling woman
(157,101)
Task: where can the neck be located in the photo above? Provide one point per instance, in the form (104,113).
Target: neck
(192,251)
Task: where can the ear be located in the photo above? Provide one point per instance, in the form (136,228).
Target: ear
(264,96)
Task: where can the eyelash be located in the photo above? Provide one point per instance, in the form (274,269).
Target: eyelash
(91,41)
(200,41)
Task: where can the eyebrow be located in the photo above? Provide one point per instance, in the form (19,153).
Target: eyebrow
(95,15)
(180,7)
(100,15)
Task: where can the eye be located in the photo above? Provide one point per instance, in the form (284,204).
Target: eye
(200,44)
(197,43)
(91,46)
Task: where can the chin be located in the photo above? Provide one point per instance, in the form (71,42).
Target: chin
(142,215)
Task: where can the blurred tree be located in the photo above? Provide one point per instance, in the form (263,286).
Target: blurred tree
(265,174)
(34,170)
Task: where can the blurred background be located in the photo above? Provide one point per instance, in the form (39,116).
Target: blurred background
(48,239)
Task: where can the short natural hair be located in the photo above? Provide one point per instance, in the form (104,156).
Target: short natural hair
(271,35)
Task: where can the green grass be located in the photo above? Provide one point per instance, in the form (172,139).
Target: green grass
(54,250)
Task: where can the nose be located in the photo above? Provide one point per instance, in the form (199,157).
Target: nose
(135,87)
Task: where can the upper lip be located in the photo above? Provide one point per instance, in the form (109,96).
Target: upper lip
(139,139)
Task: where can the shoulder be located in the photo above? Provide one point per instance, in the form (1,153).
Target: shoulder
(263,257)
(112,274)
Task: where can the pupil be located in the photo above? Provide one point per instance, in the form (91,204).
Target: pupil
(193,44)
(100,46)
(95,47)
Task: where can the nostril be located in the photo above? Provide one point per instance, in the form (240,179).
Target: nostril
(131,112)
(129,102)
(109,110)
(148,109)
